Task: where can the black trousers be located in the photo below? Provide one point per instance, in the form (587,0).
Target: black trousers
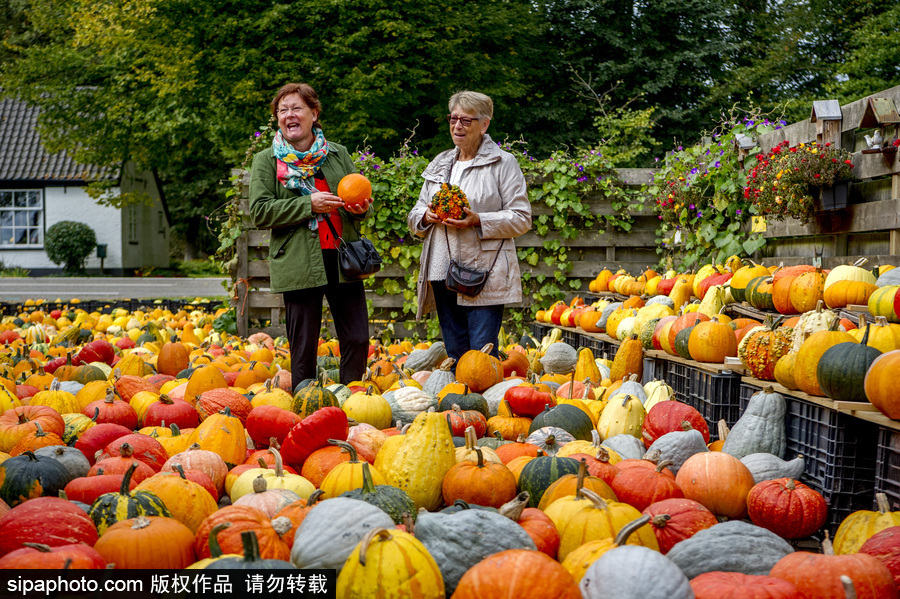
(303,312)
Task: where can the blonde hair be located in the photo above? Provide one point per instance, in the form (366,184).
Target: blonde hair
(474,103)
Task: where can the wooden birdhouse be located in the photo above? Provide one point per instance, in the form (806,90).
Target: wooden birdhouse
(879,114)
(827,116)
(745,145)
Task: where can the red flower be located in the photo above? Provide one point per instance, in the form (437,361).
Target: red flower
(848,162)
(816,175)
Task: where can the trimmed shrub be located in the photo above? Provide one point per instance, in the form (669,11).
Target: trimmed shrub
(69,243)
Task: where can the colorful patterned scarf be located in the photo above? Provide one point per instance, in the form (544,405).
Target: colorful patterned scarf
(295,170)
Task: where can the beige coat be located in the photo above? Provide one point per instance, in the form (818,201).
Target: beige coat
(495,187)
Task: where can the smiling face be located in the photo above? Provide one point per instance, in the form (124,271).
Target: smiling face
(467,139)
(295,119)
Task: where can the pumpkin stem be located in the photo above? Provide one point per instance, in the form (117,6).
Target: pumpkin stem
(140,522)
(884,506)
(470,438)
(125,489)
(381,533)
(39,546)
(346,447)
(663,464)
(487,348)
(513,508)
(628,529)
(686,426)
(408,522)
(602,454)
(179,469)
(368,485)
(579,481)
(594,498)
(279,464)
(480,456)
(595,438)
(259,484)
(215,550)
(723,430)
(827,547)
(251,546)
(652,456)
(661,520)
(849,589)
(262,463)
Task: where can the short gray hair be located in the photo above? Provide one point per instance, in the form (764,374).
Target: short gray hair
(474,103)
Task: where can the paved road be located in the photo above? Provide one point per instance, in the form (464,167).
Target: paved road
(102,288)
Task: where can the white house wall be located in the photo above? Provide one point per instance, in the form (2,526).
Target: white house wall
(72,203)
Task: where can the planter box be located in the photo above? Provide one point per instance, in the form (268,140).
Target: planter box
(835,197)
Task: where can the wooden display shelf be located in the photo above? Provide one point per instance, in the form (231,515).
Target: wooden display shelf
(875,417)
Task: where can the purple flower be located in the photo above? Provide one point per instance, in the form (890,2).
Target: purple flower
(415,152)
(376,167)
(717,164)
(660,217)
(722,153)
(582,179)
(656,160)
(691,206)
(783,123)
(738,212)
(680,148)
(694,171)
(257,134)
(699,214)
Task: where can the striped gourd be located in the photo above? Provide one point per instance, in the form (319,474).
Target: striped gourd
(541,472)
(110,508)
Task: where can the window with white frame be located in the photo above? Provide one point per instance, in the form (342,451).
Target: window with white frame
(21,218)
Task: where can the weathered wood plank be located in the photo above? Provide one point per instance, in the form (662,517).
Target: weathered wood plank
(856,218)
(833,261)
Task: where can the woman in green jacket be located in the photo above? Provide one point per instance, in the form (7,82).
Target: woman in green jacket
(292,187)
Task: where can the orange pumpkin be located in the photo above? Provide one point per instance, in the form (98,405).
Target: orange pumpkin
(719,481)
(845,292)
(881,383)
(712,341)
(479,369)
(807,361)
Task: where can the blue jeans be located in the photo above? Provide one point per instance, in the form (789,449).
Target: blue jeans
(465,327)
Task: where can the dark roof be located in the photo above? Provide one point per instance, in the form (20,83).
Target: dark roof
(23,158)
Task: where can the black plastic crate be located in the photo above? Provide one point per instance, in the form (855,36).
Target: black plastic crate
(840,453)
(597,346)
(539,329)
(887,473)
(678,376)
(654,369)
(715,396)
(572,337)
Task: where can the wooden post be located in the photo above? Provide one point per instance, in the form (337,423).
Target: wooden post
(611,254)
(831,133)
(895,187)
(895,243)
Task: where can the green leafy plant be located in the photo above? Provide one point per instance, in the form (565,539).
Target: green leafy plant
(69,243)
(784,179)
(699,195)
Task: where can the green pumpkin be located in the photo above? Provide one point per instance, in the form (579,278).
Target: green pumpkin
(541,472)
(465,401)
(313,397)
(647,333)
(328,362)
(842,369)
(86,373)
(567,417)
(110,508)
(393,501)
(681,342)
(77,424)
(760,299)
(491,442)
(28,476)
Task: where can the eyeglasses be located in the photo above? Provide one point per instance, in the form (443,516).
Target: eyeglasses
(465,121)
(295,110)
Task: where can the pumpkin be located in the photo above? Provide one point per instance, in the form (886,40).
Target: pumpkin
(440,377)
(214,401)
(567,417)
(842,369)
(120,463)
(20,421)
(507,424)
(881,383)
(393,562)
(195,458)
(527,400)
(761,428)
(625,415)
(819,575)
(629,359)
(41,556)
(845,292)
(807,290)
(882,302)
(784,371)
(187,501)
(111,508)
(73,460)
(480,482)
(173,358)
(668,416)
(145,449)
(346,476)
(268,501)
(148,543)
(427,358)
(540,472)
(459,540)
(742,278)
(266,422)
(241,518)
(787,507)
(407,402)
(313,397)
(734,585)
(332,529)
(629,571)
(807,362)
(883,545)
(275,478)
(549,439)
(535,522)
(765,466)
(412,471)
(734,546)
(761,349)
(759,293)
(570,485)
(369,408)
(517,573)
(676,519)
(862,524)
(641,487)
(717,480)
(479,369)
(28,476)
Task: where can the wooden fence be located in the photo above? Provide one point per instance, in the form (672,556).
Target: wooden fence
(589,252)
(870,225)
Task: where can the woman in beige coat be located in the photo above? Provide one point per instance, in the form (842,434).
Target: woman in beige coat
(500,212)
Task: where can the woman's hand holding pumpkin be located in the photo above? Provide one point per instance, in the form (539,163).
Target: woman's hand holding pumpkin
(471,220)
(324,202)
(359,208)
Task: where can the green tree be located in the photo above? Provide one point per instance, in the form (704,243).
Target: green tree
(873,61)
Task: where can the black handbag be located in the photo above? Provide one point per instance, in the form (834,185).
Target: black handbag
(358,259)
(464,280)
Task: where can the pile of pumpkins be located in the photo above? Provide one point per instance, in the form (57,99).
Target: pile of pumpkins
(542,473)
(802,342)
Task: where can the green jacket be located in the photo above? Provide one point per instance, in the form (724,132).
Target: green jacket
(295,256)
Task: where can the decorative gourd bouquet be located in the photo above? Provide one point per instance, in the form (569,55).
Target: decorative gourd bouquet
(449,201)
